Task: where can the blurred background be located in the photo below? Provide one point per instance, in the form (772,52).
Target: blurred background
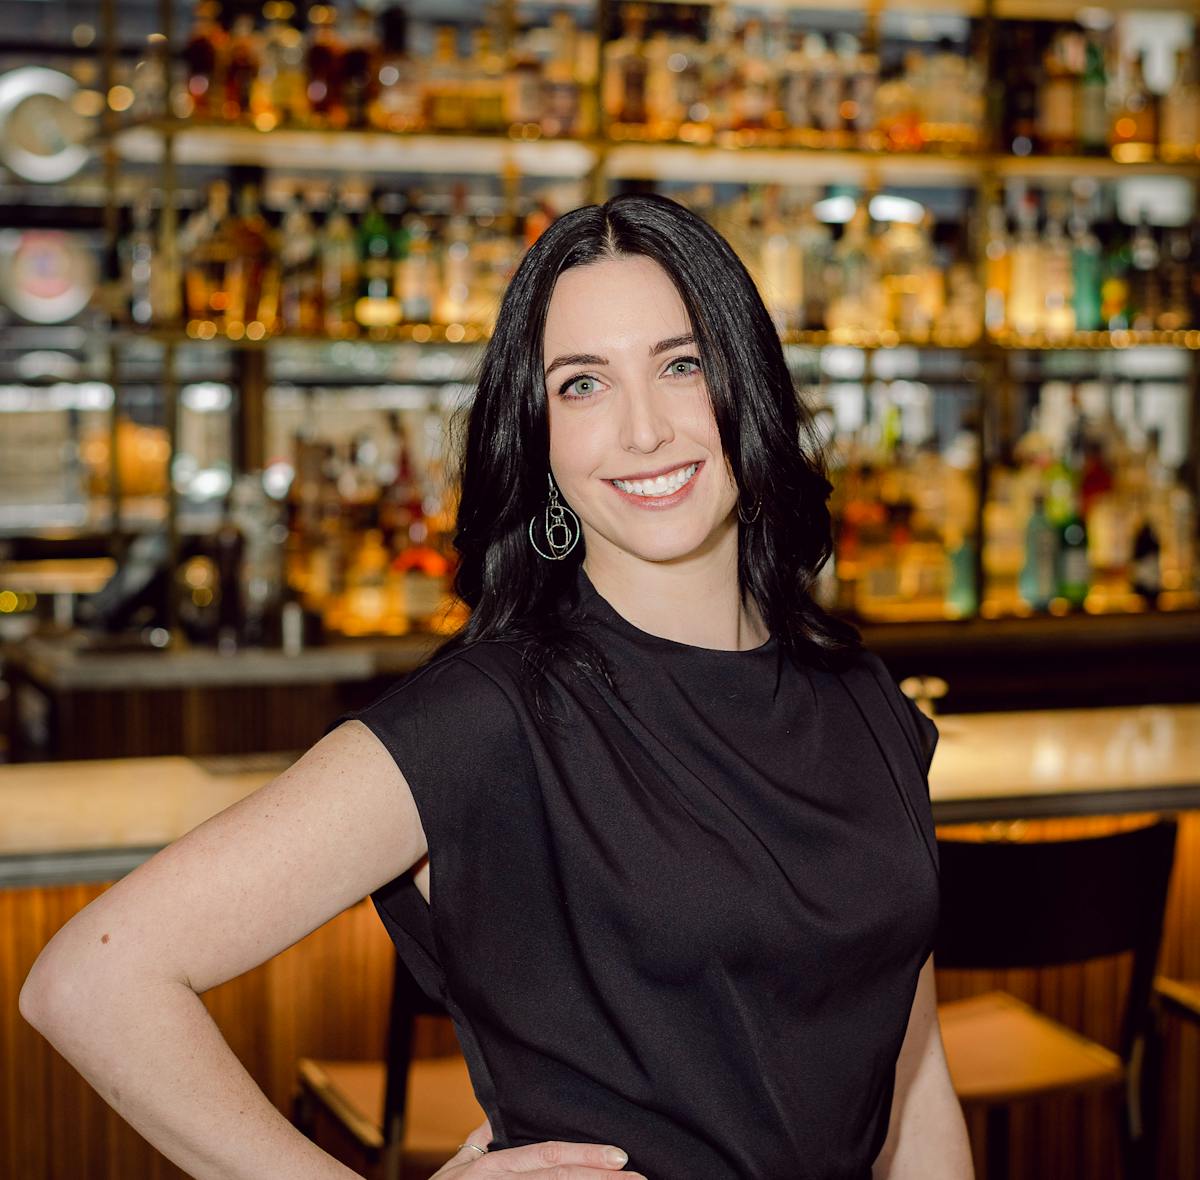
(249,257)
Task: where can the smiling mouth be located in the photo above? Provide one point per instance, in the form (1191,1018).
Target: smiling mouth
(660,485)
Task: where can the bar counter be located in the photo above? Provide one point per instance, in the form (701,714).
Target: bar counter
(81,696)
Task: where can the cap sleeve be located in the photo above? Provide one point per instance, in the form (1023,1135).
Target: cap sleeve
(447,725)
(927,732)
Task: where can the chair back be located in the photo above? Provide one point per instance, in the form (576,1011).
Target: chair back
(1043,903)
(408,1002)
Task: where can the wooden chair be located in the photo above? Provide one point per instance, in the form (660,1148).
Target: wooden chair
(1041,904)
(1173,999)
(399,1118)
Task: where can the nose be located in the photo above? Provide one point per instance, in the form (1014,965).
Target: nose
(645,423)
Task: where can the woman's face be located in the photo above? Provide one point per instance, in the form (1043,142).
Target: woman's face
(627,402)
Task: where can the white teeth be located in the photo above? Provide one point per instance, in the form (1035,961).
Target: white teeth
(660,485)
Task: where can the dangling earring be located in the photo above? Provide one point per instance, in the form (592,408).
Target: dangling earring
(754,515)
(559,535)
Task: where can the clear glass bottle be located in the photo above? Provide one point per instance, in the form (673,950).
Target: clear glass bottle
(1134,132)
(1181,109)
(397,105)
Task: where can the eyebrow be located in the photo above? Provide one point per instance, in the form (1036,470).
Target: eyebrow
(589,358)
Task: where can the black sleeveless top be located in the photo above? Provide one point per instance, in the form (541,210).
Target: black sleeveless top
(688,922)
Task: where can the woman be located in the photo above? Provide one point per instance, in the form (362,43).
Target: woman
(653,825)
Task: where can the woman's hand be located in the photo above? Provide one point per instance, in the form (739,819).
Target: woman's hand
(562,1160)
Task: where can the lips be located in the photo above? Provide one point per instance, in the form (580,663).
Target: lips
(659,497)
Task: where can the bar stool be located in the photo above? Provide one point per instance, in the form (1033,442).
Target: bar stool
(1174,999)
(401,1117)
(1041,904)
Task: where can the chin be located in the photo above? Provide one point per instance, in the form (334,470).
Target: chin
(661,542)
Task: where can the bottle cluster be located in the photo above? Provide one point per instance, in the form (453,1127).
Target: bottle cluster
(356,263)
(287,70)
(1081,514)
(1067,92)
(703,73)
(1051,272)
(883,273)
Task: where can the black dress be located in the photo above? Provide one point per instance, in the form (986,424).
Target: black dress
(689,924)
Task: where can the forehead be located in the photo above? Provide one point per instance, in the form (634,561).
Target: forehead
(625,301)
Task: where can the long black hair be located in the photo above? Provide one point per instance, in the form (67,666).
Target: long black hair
(766,431)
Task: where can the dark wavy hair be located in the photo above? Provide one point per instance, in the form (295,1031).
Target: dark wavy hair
(765,427)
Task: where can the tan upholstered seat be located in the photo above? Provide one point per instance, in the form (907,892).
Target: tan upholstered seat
(999,1050)
(441,1104)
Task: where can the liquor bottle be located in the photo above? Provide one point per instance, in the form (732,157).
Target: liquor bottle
(1145,291)
(1026,299)
(205,55)
(140,264)
(897,114)
(1176,278)
(1115,309)
(1058,101)
(398,104)
(826,93)
(1038,582)
(339,272)
(1180,130)
(794,89)
(1093,101)
(781,264)
(1021,99)
(682,103)
(323,65)
(487,102)
(1074,569)
(245,57)
(854,305)
(378,305)
(752,95)
(207,248)
(457,277)
(1146,573)
(446,107)
(560,85)
(229,545)
(815,242)
(1086,273)
(1058,310)
(997,270)
(300,287)
(861,97)
(252,274)
(416,271)
(277,95)
(359,69)
(1134,133)
(625,70)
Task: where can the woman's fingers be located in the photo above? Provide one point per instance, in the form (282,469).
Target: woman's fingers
(559,1159)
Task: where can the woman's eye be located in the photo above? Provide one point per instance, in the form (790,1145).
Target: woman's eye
(567,386)
(685,361)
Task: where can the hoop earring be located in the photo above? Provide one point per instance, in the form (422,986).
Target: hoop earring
(754,515)
(556,526)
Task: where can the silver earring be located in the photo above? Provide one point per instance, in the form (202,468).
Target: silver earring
(559,534)
(754,515)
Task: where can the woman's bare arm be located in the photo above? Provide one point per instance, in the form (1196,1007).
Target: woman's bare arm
(116,989)
(927,1134)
